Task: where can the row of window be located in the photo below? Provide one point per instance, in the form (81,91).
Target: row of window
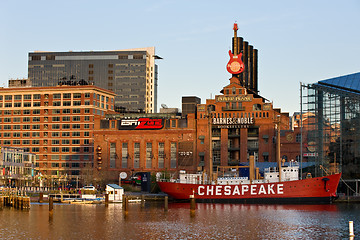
(46,119)
(45,141)
(46,96)
(53,149)
(238,115)
(38,104)
(46,111)
(45,127)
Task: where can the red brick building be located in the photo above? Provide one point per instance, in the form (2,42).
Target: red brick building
(242,123)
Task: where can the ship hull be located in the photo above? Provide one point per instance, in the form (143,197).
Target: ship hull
(313,190)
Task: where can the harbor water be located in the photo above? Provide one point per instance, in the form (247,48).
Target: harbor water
(209,221)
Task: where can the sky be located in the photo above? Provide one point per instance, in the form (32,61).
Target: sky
(297,41)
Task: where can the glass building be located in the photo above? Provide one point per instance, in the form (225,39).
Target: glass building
(332,126)
(131,74)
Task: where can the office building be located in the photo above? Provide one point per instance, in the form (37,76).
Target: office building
(132,74)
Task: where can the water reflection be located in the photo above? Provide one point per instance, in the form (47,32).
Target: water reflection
(211,221)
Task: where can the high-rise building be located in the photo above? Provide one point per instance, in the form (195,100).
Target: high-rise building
(55,123)
(131,74)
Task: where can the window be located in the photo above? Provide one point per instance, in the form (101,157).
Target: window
(56,111)
(76,141)
(36,119)
(76,134)
(56,126)
(26,127)
(27,104)
(86,126)
(76,126)
(36,127)
(87,118)
(8,97)
(55,142)
(35,142)
(37,96)
(16,134)
(76,111)
(56,119)
(26,134)
(65,149)
(75,149)
(86,134)
(66,119)
(56,103)
(112,155)
(35,149)
(298,137)
(86,141)
(35,134)
(55,149)
(27,97)
(65,141)
(66,103)
(55,134)
(17,104)
(87,95)
(66,126)
(26,119)
(67,95)
(136,155)
(149,154)
(66,111)
(161,155)
(57,96)
(173,155)
(66,134)
(76,118)
(77,95)
(77,103)
(36,104)
(26,112)
(124,155)
(36,111)
(17,119)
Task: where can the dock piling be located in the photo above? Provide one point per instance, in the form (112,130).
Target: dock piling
(351,229)
(166,204)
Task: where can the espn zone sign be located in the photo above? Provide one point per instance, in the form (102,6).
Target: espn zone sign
(141,124)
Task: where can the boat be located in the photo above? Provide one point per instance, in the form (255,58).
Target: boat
(228,186)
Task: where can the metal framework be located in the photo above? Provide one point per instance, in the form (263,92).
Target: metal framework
(331,127)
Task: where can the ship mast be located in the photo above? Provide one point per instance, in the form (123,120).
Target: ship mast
(278,158)
(210,144)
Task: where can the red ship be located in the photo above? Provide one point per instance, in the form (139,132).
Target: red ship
(230,188)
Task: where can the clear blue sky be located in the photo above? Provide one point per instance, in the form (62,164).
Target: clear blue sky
(298,41)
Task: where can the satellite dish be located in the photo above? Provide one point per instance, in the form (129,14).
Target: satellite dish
(164,105)
(123,175)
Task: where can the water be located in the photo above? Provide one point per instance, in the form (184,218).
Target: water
(211,221)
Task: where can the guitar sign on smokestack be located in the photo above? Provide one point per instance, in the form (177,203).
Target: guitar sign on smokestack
(235,65)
